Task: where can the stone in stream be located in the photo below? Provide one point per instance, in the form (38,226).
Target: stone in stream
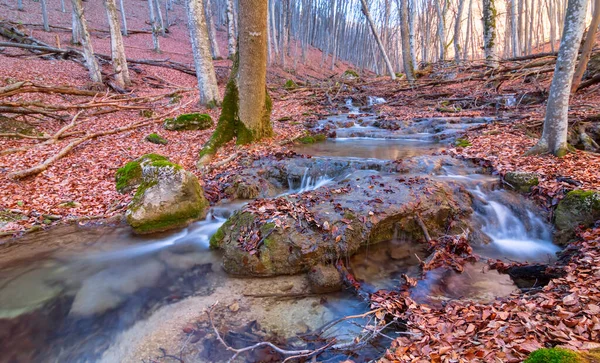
(167,197)
(579,207)
(521,181)
(336,220)
(324,279)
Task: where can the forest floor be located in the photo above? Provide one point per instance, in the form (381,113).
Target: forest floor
(80,185)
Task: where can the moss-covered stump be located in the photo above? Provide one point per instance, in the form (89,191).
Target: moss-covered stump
(559,355)
(189,121)
(578,207)
(156,139)
(336,221)
(168,197)
(129,176)
(521,181)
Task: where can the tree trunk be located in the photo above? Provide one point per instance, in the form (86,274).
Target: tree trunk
(409,67)
(212,32)
(63,8)
(411,31)
(117,48)
(159,18)
(154,26)
(45,15)
(205,72)
(230,30)
(489,33)
(88,51)
(20,5)
(514,33)
(124,28)
(365,10)
(75,29)
(246,107)
(586,51)
(440,29)
(554,136)
(461,5)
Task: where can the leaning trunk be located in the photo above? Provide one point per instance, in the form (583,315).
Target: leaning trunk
(586,51)
(205,71)
(88,51)
(554,136)
(124,28)
(119,60)
(379,43)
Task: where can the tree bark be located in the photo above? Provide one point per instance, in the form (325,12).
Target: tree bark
(205,72)
(407,57)
(20,5)
(230,30)
(119,60)
(489,33)
(45,15)
(154,25)
(390,68)
(554,135)
(586,51)
(247,105)
(461,5)
(440,28)
(88,50)
(75,29)
(123,17)
(212,32)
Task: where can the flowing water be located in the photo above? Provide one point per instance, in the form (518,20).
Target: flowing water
(103,294)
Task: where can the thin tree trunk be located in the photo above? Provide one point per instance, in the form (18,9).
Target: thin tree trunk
(124,18)
(75,29)
(20,5)
(468,36)
(45,15)
(154,25)
(489,33)
(212,32)
(411,31)
(514,33)
(440,29)
(381,48)
(586,51)
(117,48)
(230,30)
(63,8)
(159,18)
(461,5)
(409,68)
(88,50)
(205,72)
(554,135)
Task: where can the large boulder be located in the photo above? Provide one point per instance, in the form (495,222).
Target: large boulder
(578,207)
(189,121)
(521,181)
(291,234)
(168,197)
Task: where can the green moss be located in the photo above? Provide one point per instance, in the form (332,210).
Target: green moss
(553,355)
(165,163)
(175,98)
(285,118)
(130,175)
(577,207)
(290,85)
(146,113)
(189,121)
(311,139)
(462,143)
(156,139)
(350,73)
(169,221)
(217,238)
(349,215)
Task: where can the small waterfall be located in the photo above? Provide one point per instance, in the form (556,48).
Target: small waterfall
(521,237)
(375,100)
(308,182)
(351,108)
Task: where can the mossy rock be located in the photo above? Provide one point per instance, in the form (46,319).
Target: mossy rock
(350,74)
(290,84)
(130,175)
(578,207)
(156,139)
(189,121)
(311,139)
(11,125)
(462,142)
(168,197)
(521,181)
(560,355)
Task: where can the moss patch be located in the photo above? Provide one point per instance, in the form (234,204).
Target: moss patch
(290,85)
(350,73)
(311,139)
(553,355)
(156,139)
(462,143)
(189,121)
(130,175)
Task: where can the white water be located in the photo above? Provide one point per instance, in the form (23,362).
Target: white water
(351,108)
(376,100)
(309,183)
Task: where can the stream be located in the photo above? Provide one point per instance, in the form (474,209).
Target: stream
(100,293)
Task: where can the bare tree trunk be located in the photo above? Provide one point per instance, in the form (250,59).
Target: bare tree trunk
(440,29)
(159,18)
(514,33)
(489,33)
(411,31)
(246,108)
(230,30)
(461,5)
(45,15)
(63,8)
(554,136)
(75,29)
(586,51)
(205,72)
(123,17)
(468,35)
(117,48)
(390,68)
(409,67)
(154,25)
(20,5)
(88,51)
(212,32)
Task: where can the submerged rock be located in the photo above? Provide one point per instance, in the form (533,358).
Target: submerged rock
(324,279)
(168,197)
(579,207)
(189,121)
(522,181)
(335,221)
